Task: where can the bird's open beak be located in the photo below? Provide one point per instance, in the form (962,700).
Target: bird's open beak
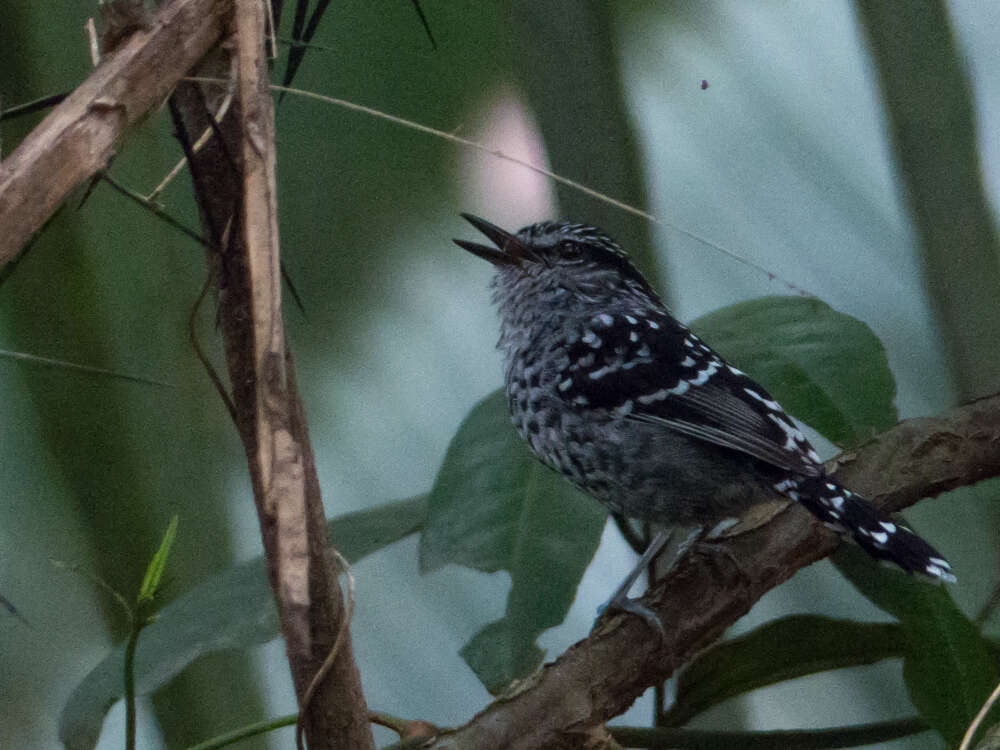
(509,251)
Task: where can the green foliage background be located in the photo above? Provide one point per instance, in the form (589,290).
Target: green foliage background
(786,158)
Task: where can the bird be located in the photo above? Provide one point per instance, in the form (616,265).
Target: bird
(609,389)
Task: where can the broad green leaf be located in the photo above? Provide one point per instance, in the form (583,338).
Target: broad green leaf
(500,653)
(495,507)
(949,668)
(780,650)
(356,535)
(154,571)
(826,368)
(231,610)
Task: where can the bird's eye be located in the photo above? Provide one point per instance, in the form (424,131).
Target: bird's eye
(569,250)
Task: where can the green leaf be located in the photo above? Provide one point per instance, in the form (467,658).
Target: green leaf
(949,668)
(232,609)
(495,507)
(154,571)
(780,650)
(500,653)
(826,368)
(357,535)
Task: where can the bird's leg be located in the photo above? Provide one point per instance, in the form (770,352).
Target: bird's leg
(620,601)
(655,546)
(707,545)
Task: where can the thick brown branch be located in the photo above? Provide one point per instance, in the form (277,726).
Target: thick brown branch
(600,677)
(235,187)
(79,136)
(288,496)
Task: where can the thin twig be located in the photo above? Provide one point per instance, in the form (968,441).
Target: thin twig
(974,726)
(797,739)
(220,388)
(92,43)
(198,144)
(35,105)
(578,186)
(251,730)
(153,208)
(73,366)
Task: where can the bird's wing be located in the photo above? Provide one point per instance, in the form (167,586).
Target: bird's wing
(650,368)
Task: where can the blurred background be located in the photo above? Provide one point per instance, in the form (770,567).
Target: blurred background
(761,128)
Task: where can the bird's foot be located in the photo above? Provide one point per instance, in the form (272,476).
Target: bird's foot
(621,603)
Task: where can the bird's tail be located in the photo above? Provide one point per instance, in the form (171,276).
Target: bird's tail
(860,521)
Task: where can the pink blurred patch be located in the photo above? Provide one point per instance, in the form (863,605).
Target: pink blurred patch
(508,194)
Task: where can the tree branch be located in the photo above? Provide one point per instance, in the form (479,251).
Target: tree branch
(78,137)
(602,675)
(235,185)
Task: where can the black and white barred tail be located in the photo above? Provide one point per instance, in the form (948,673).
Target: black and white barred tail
(859,521)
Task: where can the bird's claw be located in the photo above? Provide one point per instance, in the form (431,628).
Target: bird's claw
(633,607)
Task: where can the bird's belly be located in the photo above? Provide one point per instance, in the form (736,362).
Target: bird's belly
(642,471)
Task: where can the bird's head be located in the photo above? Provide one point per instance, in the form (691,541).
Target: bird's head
(550,256)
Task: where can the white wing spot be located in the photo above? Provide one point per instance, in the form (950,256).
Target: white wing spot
(793,434)
(880,536)
(642,351)
(566,384)
(838,502)
(703,375)
(598,374)
(581,400)
(625,408)
(785,484)
(631,320)
(888,526)
(633,336)
(586,361)
(653,324)
(769,403)
(681,388)
(606,319)
(734,371)
(688,361)
(657,396)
